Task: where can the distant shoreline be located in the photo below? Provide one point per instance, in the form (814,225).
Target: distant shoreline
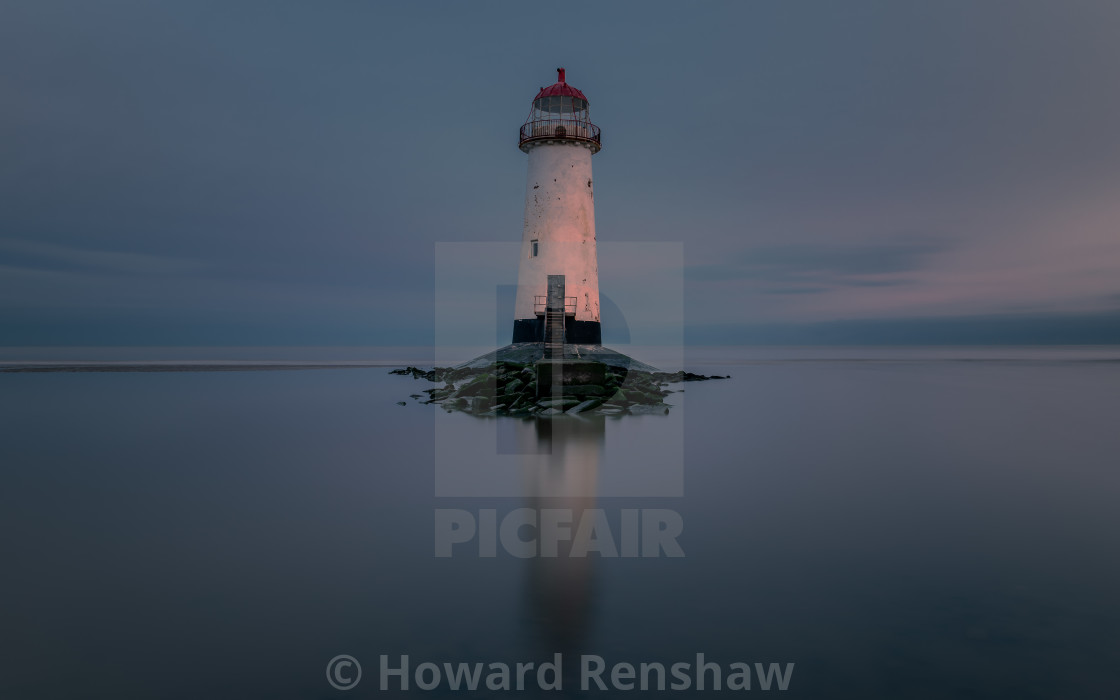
(181,367)
(16,360)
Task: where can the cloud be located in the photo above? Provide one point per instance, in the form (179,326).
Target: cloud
(843,260)
(818,269)
(987,329)
(35,255)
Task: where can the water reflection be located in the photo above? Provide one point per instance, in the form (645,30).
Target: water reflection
(562,476)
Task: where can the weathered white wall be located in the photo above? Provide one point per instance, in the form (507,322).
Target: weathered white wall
(560,213)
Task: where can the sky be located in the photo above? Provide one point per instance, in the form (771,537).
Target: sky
(282,173)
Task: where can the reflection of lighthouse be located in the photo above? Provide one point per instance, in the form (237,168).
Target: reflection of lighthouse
(560,585)
(559,237)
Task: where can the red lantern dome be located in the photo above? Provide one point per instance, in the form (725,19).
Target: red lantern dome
(559,113)
(560,89)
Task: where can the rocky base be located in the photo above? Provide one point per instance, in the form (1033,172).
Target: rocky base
(510,389)
(528,353)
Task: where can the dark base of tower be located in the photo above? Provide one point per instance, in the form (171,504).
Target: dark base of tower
(531,330)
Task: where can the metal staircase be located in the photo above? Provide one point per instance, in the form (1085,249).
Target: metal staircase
(554,319)
(554,334)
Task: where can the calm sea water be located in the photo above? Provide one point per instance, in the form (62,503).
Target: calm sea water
(917,523)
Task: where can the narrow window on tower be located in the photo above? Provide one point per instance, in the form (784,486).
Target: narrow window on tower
(533,248)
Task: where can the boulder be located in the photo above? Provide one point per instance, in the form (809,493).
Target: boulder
(483,385)
(583,390)
(477,404)
(643,410)
(585,406)
(562,404)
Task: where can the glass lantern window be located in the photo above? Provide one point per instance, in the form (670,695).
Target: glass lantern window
(560,107)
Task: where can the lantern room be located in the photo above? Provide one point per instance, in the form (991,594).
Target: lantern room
(559,113)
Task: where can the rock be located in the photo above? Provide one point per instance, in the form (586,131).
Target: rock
(584,390)
(476,404)
(436,394)
(401,403)
(585,406)
(562,404)
(448,375)
(683,376)
(645,397)
(642,410)
(507,387)
(416,373)
(484,385)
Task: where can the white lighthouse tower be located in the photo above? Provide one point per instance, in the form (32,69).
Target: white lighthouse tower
(559,237)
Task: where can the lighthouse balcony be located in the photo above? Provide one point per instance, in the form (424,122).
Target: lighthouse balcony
(560,129)
(540,305)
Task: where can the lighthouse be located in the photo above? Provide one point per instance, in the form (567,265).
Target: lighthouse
(559,234)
